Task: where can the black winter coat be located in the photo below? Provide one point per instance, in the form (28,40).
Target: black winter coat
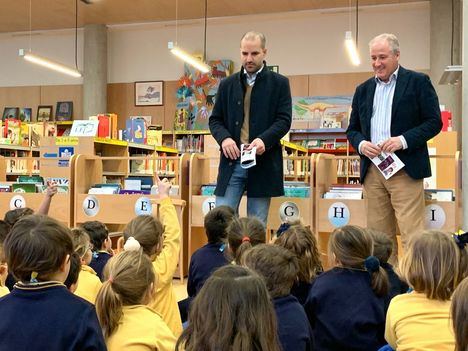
(270,120)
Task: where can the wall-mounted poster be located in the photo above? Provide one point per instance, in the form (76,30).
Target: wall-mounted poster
(315,112)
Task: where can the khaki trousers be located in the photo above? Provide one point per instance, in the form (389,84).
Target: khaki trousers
(399,199)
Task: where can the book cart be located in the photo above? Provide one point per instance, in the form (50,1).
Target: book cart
(116,210)
(61,207)
(333,213)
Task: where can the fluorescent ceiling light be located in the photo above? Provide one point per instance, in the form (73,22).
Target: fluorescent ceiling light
(186,57)
(45,62)
(351,49)
(452,75)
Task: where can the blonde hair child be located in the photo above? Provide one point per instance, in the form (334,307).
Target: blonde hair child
(460,315)
(421,319)
(161,242)
(88,282)
(122,308)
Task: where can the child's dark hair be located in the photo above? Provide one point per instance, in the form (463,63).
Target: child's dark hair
(128,278)
(244,233)
(277,265)
(98,233)
(300,240)
(75,268)
(4,230)
(231,312)
(431,264)
(39,244)
(216,222)
(383,245)
(147,230)
(353,247)
(460,315)
(13,216)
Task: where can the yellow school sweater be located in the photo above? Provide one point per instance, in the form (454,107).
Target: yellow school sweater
(141,328)
(415,322)
(3,290)
(88,284)
(165,264)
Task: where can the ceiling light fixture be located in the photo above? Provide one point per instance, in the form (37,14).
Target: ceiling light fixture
(185,56)
(453,73)
(46,62)
(351,46)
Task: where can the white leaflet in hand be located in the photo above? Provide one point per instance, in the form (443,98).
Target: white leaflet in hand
(388,164)
(248,158)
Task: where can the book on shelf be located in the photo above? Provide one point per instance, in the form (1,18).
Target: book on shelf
(154,135)
(31,179)
(5,188)
(23,187)
(36,133)
(344,191)
(136,130)
(12,131)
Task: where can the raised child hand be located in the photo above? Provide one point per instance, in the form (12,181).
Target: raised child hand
(164,186)
(51,189)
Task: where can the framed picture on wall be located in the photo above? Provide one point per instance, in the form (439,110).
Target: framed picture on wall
(149,93)
(10,112)
(44,113)
(25,114)
(64,111)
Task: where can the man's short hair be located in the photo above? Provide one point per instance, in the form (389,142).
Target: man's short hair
(252,35)
(391,39)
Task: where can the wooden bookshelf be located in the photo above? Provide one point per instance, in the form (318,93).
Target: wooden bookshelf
(117,210)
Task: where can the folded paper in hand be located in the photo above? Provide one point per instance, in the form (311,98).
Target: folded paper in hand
(248,158)
(388,164)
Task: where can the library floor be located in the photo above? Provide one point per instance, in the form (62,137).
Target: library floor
(180,289)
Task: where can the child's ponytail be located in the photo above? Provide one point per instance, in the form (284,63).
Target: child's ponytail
(379,278)
(108,308)
(243,234)
(129,281)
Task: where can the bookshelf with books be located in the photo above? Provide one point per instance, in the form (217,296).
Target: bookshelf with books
(116,201)
(322,140)
(188,141)
(29,186)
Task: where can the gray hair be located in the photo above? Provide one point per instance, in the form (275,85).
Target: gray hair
(252,35)
(391,39)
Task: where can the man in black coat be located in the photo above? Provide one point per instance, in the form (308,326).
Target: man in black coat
(397,111)
(252,107)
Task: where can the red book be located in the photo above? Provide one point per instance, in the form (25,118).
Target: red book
(104,126)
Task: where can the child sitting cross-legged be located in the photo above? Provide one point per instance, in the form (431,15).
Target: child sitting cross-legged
(40,313)
(346,304)
(279,268)
(99,236)
(420,320)
(127,322)
(232,312)
(88,282)
(300,240)
(160,241)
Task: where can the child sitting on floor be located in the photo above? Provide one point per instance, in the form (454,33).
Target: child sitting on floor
(346,306)
(279,268)
(99,235)
(420,320)
(121,305)
(88,282)
(383,247)
(243,234)
(232,312)
(460,315)
(161,242)
(40,313)
(300,240)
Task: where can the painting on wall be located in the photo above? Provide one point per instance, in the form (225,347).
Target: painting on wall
(198,91)
(314,112)
(149,93)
